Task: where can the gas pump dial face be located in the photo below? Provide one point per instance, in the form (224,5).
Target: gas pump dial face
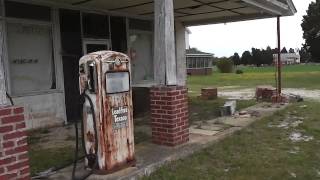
(117,62)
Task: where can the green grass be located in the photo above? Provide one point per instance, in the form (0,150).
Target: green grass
(42,159)
(294,76)
(259,152)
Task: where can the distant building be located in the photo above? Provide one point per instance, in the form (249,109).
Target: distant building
(287,58)
(198,63)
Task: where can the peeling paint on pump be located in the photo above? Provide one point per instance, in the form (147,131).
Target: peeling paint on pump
(99,72)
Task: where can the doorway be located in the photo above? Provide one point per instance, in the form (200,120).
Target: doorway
(93,45)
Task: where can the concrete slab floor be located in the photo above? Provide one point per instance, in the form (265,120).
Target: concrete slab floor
(150,156)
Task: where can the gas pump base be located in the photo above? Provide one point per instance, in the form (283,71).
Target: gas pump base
(116,168)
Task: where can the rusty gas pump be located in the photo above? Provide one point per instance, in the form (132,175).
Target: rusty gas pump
(108,138)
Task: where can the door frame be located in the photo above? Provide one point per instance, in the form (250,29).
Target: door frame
(86,41)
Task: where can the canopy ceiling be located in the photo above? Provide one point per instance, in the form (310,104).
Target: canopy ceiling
(194,12)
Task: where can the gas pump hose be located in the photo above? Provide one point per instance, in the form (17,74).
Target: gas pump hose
(83,97)
(10,98)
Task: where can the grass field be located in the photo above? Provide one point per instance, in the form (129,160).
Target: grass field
(246,155)
(294,76)
(264,149)
(261,151)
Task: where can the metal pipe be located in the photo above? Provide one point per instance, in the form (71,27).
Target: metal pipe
(279,56)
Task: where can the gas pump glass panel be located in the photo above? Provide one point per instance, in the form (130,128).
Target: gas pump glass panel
(117,82)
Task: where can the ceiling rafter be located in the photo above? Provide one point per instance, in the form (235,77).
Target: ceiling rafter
(211,5)
(188,7)
(208,12)
(81,2)
(132,6)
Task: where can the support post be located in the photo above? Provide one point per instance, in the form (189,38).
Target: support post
(3,97)
(164,48)
(279,57)
(169,99)
(181,54)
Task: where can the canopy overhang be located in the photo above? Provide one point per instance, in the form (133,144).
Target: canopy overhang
(190,12)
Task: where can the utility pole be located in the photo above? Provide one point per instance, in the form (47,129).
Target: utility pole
(279,58)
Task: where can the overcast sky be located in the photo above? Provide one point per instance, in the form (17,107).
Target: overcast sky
(225,39)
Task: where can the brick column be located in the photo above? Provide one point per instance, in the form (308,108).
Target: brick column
(169,115)
(14,161)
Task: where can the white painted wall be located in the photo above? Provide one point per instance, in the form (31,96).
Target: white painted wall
(43,110)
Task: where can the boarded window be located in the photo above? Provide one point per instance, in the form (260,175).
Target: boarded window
(95,26)
(30,58)
(27,11)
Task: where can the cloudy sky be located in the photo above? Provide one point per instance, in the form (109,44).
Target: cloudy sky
(225,39)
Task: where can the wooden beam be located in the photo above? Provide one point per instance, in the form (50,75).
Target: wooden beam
(164,43)
(223,9)
(181,54)
(3,97)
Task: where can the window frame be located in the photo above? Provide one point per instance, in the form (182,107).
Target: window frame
(54,40)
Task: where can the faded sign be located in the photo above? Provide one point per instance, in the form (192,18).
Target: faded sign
(120,117)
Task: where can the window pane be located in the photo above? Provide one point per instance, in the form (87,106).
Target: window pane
(30,58)
(95,26)
(194,63)
(198,63)
(189,63)
(27,11)
(70,30)
(206,64)
(138,24)
(117,82)
(202,62)
(141,54)
(118,34)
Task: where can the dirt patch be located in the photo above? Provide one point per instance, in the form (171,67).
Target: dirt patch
(58,137)
(297,137)
(249,93)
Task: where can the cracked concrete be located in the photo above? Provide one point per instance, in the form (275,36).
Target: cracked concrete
(150,156)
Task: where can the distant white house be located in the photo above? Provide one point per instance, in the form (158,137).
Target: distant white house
(287,58)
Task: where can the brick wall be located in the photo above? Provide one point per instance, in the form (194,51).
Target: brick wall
(209,93)
(14,161)
(169,115)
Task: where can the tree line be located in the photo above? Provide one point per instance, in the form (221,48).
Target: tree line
(311,32)
(257,57)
